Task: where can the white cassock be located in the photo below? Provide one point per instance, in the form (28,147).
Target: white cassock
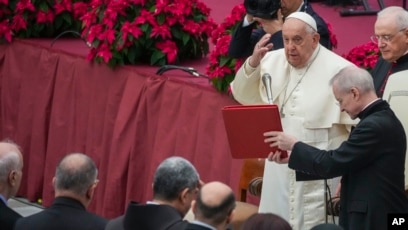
(311,114)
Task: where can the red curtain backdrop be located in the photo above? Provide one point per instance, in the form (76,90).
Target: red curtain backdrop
(127,120)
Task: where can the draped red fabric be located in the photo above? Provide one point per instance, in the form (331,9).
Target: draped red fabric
(128,119)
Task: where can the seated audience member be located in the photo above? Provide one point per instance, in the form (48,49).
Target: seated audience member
(74,182)
(213,208)
(175,186)
(371,161)
(246,35)
(11,166)
(326,227)
(265,221)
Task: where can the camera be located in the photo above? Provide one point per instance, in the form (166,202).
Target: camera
(266,9)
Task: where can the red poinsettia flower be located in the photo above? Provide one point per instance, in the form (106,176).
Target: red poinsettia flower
(5,30)
(107,35)
(79,9)
(63,5)
(23,5)
(104,52)
(162,31)
(364,56)
(169,48)
(191,27)
(45,17)
(159,31)
(145,16)
(94,31)
(18,23)
(222,68)
(130,28)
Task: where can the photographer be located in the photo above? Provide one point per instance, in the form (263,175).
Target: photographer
(270,14)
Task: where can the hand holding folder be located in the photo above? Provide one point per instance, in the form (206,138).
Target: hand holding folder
(245,126)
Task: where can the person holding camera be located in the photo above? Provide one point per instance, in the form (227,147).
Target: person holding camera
(270,14)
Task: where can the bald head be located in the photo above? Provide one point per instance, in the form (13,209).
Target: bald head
(11,165)
(75,173)
(213,193)
(215,203)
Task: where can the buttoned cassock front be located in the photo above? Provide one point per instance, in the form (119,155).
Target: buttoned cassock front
(311,114)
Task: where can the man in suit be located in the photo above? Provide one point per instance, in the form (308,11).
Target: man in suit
(11,166)
(391,36)
(213,209)
(75,182)
(246,35)
(371,161)
(175,186)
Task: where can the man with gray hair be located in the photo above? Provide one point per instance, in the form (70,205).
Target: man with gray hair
(371,161)
(11,166)
(75,182)
(391,36)
(175,186)
(213,208)
(300,75)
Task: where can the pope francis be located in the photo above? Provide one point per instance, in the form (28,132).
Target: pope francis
(300,87)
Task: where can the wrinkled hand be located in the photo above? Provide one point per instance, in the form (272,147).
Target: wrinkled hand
(261,48)
(276,156)
(282,141)
(337,192)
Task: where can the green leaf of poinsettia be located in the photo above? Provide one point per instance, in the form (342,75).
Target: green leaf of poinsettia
(224,60)
(131,55)
(186,38)
(44,6)
(67,18)
(160,19)
(156,56)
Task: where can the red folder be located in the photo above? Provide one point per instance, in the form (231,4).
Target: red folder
(245,125)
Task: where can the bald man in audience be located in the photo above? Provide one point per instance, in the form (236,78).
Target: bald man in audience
(213,209)
(175,186)
(11,166)
(75,182)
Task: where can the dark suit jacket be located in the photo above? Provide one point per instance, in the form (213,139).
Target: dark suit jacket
(245,38)
(64,214)
(148,217)
(8,217)
(381,69)
(371,163)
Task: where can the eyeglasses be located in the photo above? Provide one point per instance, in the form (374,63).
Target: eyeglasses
(384,38)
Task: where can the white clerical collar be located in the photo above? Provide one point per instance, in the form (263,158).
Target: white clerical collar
(197,222)
(370,103)
(152,202)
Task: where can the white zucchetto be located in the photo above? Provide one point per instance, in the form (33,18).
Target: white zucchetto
(305,18)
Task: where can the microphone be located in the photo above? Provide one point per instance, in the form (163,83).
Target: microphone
(267,80)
